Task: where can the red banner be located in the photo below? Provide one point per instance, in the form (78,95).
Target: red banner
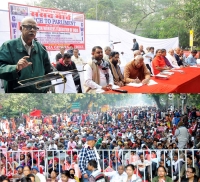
(36,113)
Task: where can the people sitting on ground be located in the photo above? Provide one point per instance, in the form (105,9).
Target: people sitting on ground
(65,177)
(136,71)
(119,175)
(190,175)
(158,63)
(189,163)
(115,69)
(96,175)
(131,176)
(162,175)
(53,176)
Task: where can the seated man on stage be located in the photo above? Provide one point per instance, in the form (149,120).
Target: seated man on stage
(115,69)
(60,54)
(66,64)
(191,60)
(136,71)
(23,58)
(97,74)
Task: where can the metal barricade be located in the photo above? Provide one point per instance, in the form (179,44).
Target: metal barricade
(173,160)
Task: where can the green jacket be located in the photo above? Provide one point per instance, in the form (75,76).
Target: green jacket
(10,53)
(167,179)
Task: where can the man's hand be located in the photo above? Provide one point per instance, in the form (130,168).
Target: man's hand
(167,68)
(85,175)
(120,84)
(23,63)
(107,87)
(145,81)
(136,80)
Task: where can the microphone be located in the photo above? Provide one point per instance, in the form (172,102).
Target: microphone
(36,40)
(121,91)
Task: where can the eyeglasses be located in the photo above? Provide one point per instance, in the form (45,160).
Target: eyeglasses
(189,172)
(30,27)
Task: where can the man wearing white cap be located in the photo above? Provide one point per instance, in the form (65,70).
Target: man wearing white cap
(35,171)
(87,153)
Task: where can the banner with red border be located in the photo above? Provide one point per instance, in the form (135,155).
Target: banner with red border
(56,28)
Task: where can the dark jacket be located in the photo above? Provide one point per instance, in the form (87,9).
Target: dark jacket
(60,66)
(10,53)
(180,63)
(58,56)
(187,180)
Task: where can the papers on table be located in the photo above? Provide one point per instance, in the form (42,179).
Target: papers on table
(177,70)
(135,84)
(166,73)
(115,87)
(101,90)
(161,76)
(151,82)
(195,66)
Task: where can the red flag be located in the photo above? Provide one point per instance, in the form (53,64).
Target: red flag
(35,113)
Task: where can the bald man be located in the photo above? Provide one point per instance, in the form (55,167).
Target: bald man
(119,175)
(23,58)
(136,71)
(177,56)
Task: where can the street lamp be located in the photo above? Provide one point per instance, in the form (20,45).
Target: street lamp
(96,8)
(182,97)
(171,97)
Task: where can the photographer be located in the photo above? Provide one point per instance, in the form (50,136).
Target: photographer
(66,64)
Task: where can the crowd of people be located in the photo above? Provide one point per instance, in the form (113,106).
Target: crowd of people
(102,71)
(129,142)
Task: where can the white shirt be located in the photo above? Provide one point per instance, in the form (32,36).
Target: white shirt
(135,178)
(172,61)
(148,60)
(144,163)
(41,177)
(28,48)
(115,177)
(88,78)
(54,146)
(77,60)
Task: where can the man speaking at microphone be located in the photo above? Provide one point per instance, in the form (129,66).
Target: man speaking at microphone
(23,58)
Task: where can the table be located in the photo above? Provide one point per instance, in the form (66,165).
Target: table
(187,82)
